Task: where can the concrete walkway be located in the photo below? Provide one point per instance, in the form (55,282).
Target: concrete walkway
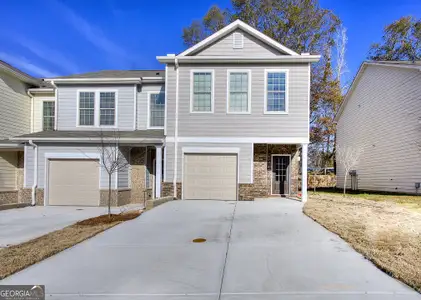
(254,250)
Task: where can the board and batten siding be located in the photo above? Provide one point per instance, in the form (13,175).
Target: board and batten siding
(383,116)
(8,163)
(38,110)
(245,159)
(67,105)
(252,47)
(15,112)
(142,103)
(68,149)
(295,124)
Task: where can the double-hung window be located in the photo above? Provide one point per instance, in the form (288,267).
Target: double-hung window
(97,108)
(202,91)
(276,91)
(239,91)
(156,110)
(48,115)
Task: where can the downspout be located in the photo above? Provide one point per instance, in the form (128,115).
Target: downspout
(32,109)
(176,131)
(35,184)
(55,104)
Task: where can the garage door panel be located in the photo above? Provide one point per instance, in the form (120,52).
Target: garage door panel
(73,182)
(210,176)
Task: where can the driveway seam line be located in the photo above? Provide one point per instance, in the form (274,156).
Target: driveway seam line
(226,252)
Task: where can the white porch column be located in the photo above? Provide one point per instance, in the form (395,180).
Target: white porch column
(304,172)
(158,171)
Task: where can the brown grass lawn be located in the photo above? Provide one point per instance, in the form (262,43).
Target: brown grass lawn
(18,257)
(381,227)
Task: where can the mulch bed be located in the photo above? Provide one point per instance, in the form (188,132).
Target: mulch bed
(19,257)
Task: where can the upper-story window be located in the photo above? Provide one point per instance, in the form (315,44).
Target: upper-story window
(107,108)
(97,108)
(276,91)
(202,90)
(48,115)
(239,90)
(156,110)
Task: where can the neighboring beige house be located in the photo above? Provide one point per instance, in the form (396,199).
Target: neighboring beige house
(228,119)
(381,113)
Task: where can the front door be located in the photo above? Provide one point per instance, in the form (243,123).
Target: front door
(280,174)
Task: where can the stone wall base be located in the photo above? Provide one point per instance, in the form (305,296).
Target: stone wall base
(118,197)
(8,197)
(167,189)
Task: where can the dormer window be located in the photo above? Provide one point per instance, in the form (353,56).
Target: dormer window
(237,40)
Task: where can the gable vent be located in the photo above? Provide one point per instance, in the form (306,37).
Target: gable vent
(238,40)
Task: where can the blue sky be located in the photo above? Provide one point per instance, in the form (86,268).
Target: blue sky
(58,37)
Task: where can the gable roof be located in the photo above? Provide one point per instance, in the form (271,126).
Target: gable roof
(391,64)
(238,24)
(24,77)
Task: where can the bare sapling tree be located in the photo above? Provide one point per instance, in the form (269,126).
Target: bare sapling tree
(348,157)
(112,159)
(316,161)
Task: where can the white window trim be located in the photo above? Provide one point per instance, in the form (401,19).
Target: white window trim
(286,71)
(149,111)
(248,71)
(212,92)
(97,110)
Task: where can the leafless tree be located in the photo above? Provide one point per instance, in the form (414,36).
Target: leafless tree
(348,157)
(341,40)
(112,159)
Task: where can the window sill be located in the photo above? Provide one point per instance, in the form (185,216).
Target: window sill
(239,113)
(276,113)
(201,112)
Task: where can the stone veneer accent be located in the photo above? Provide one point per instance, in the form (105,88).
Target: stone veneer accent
(118,197)
(262,166)
(168,191)
(8,197)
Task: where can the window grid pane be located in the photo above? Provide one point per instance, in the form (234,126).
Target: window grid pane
(48,113)
(276,87)
(86,108)
(107,108)
(157,110)
(238,96)
(202,91)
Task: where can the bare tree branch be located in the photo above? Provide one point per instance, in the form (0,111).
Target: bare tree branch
(348,157)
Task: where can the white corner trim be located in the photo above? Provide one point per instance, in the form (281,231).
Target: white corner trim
(166,102)
(309,100)
(248,71)
(286,72)
(135,107)
(231,27)
(97,109)
(192,72)
(25,160)
(148,118)
(211,150)
(240,140)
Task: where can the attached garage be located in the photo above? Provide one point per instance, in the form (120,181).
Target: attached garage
(73,182)
(210,176)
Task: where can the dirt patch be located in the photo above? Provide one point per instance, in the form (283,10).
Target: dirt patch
(386,233)
(19,257)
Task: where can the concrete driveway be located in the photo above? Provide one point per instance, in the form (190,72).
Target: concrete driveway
(254,250)
(23,224)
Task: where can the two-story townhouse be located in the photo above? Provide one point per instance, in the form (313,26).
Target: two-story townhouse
(15,119)
(227,120)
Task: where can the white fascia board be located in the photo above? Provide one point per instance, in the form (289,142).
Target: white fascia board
(94,140)
(94,80)
(209,150)
(240,140)
(236,59)
(231,27)
(41,90)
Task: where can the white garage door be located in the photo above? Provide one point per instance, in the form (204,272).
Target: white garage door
(210,176)
(73,182)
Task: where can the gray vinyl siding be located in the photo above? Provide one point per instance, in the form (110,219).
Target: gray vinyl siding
(67,105)
(15,112)
(252,47)
(29,166)
(383,115)
(257,124)
(245,159)
(50,148)
(38,110)
(123,174)
(142,103)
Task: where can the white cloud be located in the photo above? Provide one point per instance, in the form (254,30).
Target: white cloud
(26,65)
(47,53)
(92,33)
